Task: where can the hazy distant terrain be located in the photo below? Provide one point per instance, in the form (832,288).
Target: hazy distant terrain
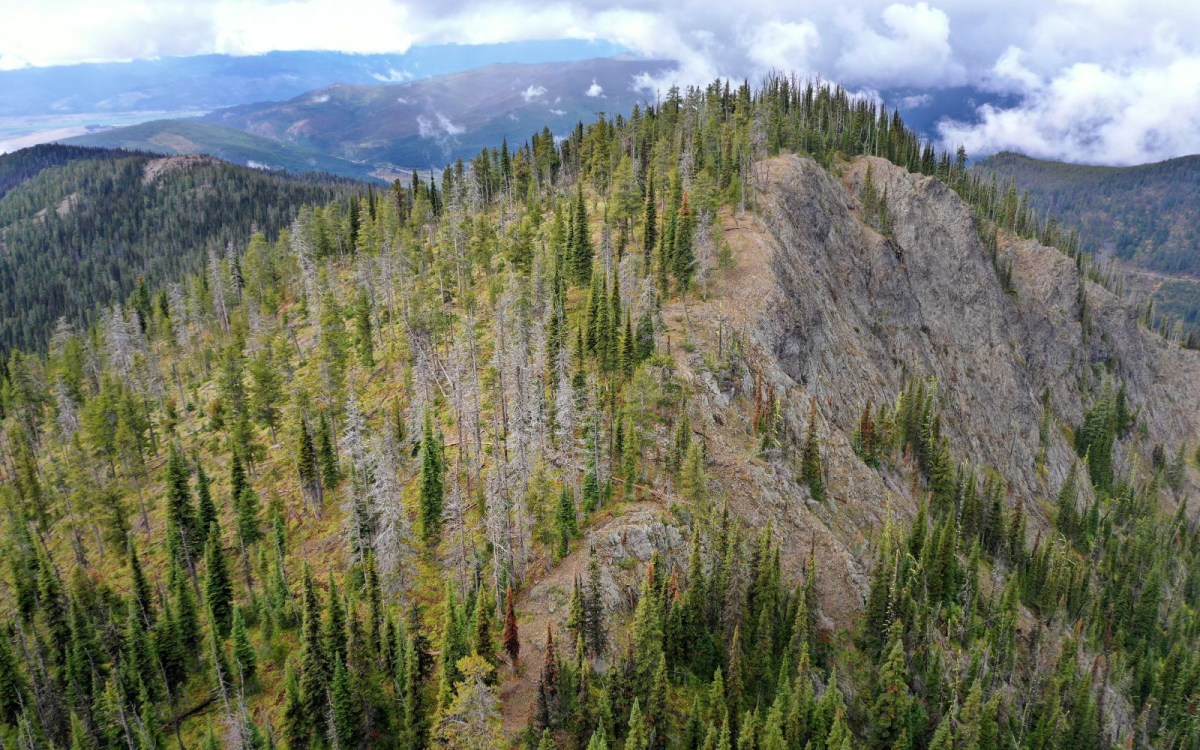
(206,82)
(355,130)
(433,121)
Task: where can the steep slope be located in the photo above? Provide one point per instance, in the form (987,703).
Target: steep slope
(179,137)
(80,234)
(834,313)
(1145,216)
(433,121)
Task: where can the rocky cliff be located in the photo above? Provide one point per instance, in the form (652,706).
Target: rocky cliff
(830,310)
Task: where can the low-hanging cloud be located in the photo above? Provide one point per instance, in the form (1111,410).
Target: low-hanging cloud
(1109,81)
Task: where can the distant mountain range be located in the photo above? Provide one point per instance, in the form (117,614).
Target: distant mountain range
(1147,217)
(355,130)
(210,81)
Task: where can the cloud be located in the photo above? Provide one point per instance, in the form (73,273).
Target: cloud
(440,127)
(1093,113)
(595,90)
(915,101)
(533,93)
(916,51)
(393,76)
(784,45)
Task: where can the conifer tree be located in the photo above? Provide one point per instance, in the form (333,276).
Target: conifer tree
(140,588)
(13,688)
(363,342)
(266,388)
(482,639)
(343,709)
(206,509)
(313,662)
(811,468)
(331,473)
(568,525)
(245,660)
(638,735)
(581,242)
(307,468)
(181,520)
(649,225)
(510,637)
(431,487)
(218,591)
(889,720)
(595,629)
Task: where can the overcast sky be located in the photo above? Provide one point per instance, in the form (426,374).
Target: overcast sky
(1106,81)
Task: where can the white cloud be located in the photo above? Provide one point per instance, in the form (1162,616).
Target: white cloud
(595,90)
(915,101)
(393,76)
(784,45)
(558,112)
(533,93)
(915,52)
(1095,114)
(318,99)
(439,127)
(448,127)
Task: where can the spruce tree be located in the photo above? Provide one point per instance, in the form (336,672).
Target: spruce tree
(890,711)
(140,588)
(811,468)
(245,660)
(331,473)
(510,637)
(307,468)
(206,509)
(181,520)
(431,487)
(14,692)
(314,663)
(218,590)
(568,525)
(649,225)
(581,242)
(344,709)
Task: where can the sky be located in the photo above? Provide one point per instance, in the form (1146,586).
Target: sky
(1097,81)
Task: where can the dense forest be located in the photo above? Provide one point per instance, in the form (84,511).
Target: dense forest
(297,498)
(81,228)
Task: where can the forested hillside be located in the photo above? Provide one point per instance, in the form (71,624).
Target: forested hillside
(744,422)
(176,137)
(82,228)
(1148,214)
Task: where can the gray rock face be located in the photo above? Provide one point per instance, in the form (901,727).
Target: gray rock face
(856,313)
(847,314)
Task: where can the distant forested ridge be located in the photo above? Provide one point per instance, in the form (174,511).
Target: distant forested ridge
(1148,214)
(79,227)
